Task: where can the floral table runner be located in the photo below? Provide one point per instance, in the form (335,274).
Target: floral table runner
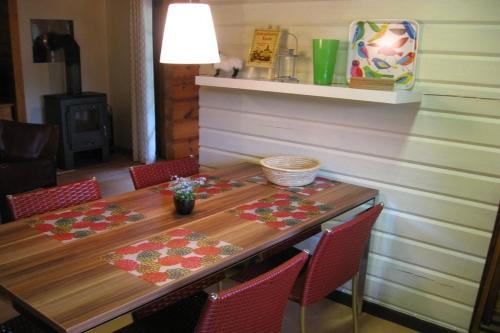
(84,220)
(171,255)
(280,211)
(213,186)
(319,184)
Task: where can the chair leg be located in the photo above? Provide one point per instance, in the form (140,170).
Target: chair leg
(355,291)
(302,319)
(219,286)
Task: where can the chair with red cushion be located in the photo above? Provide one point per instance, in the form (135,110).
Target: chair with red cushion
(254,306)
(335,261)
(161,172)
(45,200)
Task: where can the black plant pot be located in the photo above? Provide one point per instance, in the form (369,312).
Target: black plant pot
(183,207)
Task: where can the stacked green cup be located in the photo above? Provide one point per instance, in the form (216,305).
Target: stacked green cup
(324,57)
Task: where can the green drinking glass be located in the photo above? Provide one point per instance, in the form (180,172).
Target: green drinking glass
(324,57)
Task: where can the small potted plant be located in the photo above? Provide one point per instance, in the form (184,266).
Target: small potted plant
(184,193)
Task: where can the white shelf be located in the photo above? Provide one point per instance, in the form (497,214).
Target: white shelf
(338,92)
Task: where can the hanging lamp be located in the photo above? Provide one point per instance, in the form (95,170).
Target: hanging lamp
(189,35)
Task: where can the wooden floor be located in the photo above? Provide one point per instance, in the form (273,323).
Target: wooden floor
(325,316)
(113,176)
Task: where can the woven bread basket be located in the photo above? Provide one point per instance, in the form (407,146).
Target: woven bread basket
(290,170)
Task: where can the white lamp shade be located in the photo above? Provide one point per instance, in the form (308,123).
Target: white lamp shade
(189,35)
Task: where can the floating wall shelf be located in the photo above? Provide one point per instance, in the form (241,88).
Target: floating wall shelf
(337,92)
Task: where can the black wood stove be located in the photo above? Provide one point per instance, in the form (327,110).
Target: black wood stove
(83,124)
(82,117)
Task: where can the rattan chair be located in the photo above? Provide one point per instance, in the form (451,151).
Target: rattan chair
(161,172)
(335,261)
(254,306)
(45,200)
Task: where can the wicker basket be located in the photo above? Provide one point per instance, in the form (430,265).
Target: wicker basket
(290,170)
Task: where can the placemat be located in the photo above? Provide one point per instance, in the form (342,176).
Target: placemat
(319,184)
(84,220)
(213,186)
(280,211)
(171,255)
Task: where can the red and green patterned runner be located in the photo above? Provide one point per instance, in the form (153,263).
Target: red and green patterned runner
(280,211)
(171,255)
(84,220)
(319,184)
(213,186)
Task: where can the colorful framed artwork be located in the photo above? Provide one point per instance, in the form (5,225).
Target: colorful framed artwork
(383,49)
(265,45)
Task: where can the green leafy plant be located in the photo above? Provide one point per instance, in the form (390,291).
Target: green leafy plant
(183,188)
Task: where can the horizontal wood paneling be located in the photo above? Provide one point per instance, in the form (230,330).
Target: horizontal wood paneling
(407,119)
(442,288)
(447,264)
(443,234)
(458,90)
(433,232)
(332,12)
(467,106)
(384,291)
(419,304)
(477,70)
(443,285)
(437,164)
(451,289)
(462,39)
(375,143)
(431,179)
(425,255)
(417,277)
(458,211)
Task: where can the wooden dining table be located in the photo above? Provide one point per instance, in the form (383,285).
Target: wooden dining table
(73,285)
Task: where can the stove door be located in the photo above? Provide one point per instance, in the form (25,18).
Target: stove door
(87,126)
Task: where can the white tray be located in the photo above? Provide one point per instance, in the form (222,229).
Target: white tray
(383,48)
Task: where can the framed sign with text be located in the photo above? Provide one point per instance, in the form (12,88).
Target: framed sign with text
(264,48)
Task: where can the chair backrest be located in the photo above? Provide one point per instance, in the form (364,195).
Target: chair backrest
(160,172)
(337,256)
(254,306)
(45,200)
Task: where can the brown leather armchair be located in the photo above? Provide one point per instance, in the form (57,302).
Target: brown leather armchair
(27,159)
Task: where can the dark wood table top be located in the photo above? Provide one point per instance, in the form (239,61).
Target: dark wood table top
(71,287)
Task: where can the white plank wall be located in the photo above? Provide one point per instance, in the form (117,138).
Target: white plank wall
(436,164)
